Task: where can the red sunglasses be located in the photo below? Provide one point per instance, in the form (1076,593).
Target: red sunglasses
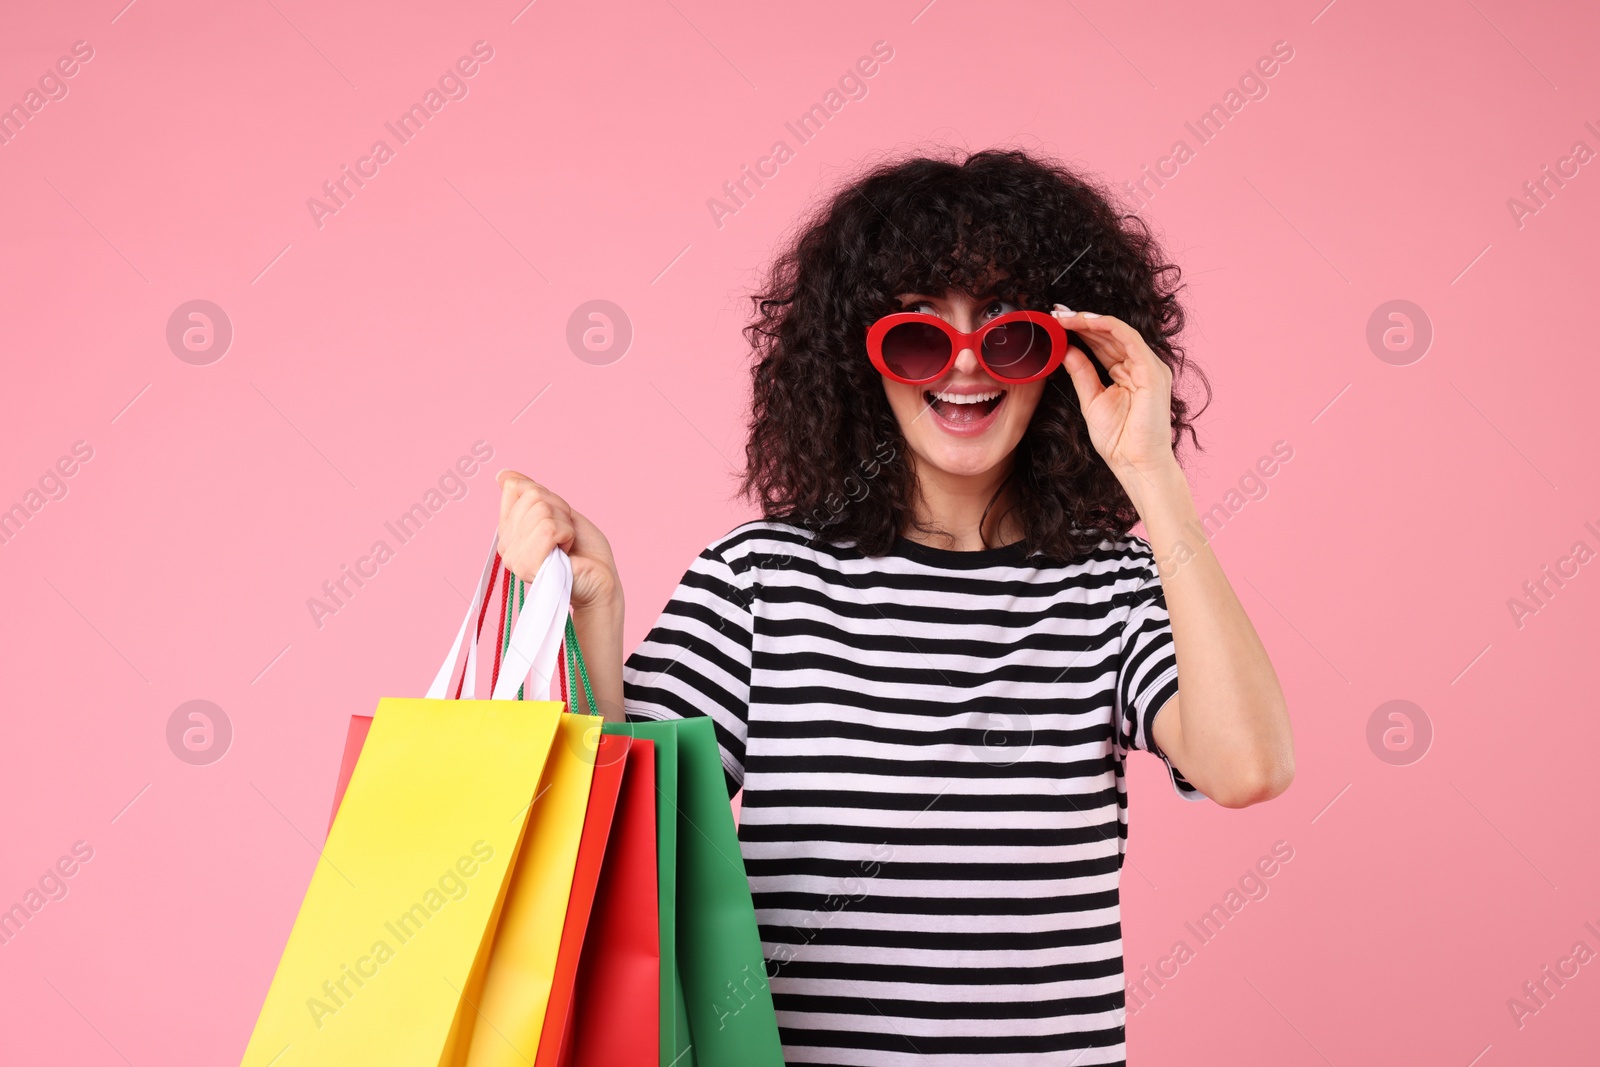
(916,348)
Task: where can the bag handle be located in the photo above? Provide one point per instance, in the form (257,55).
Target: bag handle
(575,658)
(440,688)
(535,637)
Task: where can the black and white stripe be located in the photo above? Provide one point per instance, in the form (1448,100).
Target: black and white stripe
(931,745)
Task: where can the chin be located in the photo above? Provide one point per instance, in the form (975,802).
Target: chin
(965,459)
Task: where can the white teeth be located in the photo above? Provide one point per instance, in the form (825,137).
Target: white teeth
(967,398)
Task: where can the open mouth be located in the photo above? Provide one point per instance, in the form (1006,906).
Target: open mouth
(964,411)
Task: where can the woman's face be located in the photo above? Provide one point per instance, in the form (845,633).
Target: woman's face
(943,426)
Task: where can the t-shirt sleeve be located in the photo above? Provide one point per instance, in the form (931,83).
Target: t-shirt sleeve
(1147,670)
(696,660)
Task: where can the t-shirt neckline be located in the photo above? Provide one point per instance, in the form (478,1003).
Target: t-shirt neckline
(955,557)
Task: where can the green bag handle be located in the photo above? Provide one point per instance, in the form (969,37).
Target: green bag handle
(575,654)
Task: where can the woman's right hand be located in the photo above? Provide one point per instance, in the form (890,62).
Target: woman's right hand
(533,520)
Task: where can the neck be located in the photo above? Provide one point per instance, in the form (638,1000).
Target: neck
(951,508)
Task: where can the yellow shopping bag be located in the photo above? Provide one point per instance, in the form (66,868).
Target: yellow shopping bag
(430,930)
(509,1013)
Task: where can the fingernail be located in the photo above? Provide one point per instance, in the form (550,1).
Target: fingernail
(1090,314)
(1062,309)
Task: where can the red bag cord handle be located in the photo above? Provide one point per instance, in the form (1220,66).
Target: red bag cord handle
(477,634)
(500,638)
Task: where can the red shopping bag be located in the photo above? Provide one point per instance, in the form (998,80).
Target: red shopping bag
(614,1022)
(353,740)
(610,762)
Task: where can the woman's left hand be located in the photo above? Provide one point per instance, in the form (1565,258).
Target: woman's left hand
(1130,420)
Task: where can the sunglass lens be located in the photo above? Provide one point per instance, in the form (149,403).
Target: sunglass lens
(1017,350)
(916,350)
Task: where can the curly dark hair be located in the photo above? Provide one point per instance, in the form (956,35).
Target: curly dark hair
(1031,232)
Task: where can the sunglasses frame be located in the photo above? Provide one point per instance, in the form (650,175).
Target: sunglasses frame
(960,341)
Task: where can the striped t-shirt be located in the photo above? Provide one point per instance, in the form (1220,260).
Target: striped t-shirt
(931,745)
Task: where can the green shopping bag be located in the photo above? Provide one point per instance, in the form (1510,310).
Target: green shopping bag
(716,1006)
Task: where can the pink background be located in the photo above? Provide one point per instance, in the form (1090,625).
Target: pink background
(426,314)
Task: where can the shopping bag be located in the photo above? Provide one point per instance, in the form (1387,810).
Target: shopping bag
(393,923)
(603,790)
(508,1011)
(716,1008)
(440,838)
(510,1000)
(675,1047)
(614,1022)
(354,738)
(625,965)
(589,916)
(507,1018)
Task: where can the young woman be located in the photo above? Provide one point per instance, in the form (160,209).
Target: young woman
(928,663)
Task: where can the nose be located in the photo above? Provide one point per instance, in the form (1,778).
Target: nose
(967,361)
